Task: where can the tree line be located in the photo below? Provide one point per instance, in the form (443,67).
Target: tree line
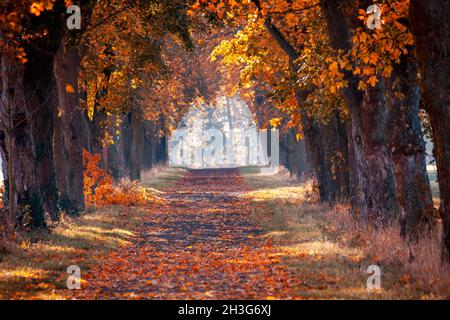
(360,97)
(105,88)
(354,100)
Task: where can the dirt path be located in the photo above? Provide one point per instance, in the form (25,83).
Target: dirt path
(199,244)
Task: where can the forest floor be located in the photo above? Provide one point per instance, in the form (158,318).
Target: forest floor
(220,234)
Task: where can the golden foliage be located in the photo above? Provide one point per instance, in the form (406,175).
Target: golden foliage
(100,191)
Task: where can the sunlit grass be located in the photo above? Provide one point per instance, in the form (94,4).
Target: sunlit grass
(156,179)
(35,266)
(322,244)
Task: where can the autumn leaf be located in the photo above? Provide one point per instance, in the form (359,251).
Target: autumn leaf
(275,122)
(373,81)
(70,88)
(36,8)
(291,19)
(334,68)
(195,6)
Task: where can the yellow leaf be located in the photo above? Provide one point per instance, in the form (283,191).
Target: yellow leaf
(275,122)
(36,8)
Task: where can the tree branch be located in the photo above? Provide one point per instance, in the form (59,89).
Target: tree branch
(102,21)
(278,36)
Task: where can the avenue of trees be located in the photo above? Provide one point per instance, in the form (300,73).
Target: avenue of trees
(353,102)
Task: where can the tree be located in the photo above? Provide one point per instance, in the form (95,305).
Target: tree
(36,49)
(431,30)
(371,61)
(325,138)
(372,169)
(71,128)
(36,187)
(333,56)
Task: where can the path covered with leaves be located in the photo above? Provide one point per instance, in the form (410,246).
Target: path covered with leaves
(199,243)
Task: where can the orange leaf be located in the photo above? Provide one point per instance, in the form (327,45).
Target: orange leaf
(291,19)
(69,89)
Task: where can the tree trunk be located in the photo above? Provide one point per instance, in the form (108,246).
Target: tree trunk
(147,156)
(431,28)
(125,131)
(41,101)
(136,146)
(162,154)
(374,193)
(284,151)
(407,147)
(26,195)
(96,131)
(98,124)
(132,147)
(325,143)
(326,146)
(154,141)
(114,158)
(70,128)
(293,153)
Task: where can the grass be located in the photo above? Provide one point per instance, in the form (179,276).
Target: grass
(34,266)
(333,254)
(161,177)
(319,241)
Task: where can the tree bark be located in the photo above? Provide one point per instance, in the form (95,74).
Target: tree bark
(324,142)
(407,147)
(162,153)
(374,194)
(98,125)
(132,147)
(431,28)
(34,116)
(136,146)
(114,158)
(147,156)
(70,129)
(26,191)
(40,94)
(293,154)
(326,146)
(96,131)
